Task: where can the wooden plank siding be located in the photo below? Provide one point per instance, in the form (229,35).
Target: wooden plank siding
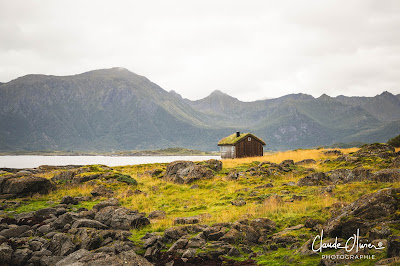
(248,147)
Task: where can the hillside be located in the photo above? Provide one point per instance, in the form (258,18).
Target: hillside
(115,109)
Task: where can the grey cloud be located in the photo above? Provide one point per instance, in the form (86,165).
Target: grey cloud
(249,49)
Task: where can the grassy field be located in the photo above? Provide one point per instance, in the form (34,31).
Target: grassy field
(212,199)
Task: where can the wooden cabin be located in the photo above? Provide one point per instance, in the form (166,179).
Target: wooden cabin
(241,145)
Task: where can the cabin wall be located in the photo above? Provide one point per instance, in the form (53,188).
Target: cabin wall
(248,147)
(227,152)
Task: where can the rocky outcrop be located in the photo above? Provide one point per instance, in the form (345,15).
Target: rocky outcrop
(305,162)
(186,172)
(84,257)
(376,149)
(52,236)
(364,213)
(214,241)
(343,176)
(387,175)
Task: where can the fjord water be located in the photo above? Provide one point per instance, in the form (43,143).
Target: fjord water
(32,161)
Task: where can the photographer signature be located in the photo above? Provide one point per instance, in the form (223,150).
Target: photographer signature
(351,243)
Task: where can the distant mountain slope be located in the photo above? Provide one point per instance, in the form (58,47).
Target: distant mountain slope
(115,109)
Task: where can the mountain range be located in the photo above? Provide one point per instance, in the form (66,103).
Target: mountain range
(115,109)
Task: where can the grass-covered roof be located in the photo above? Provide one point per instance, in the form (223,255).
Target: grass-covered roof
(232,139)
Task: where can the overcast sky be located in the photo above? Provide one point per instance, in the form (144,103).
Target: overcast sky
(248,49)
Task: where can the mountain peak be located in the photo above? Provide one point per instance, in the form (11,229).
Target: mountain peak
(324,97)
(175,94)
(386,94)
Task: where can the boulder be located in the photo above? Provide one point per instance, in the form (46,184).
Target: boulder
(233,175)
(286,163)
(187,220)
(232,236)
(214,165)
(155,173)
(263,224)
(174,167)
(5,253)
(305,162)
(89,224)
(158,214)
(81,257)
(81,178)
(45,213)
(315,179)
(189,253)
(121,218)
(106,203)
(179,244)
(27,185)
(197,241)
(238,203)
(333,152)
(63,220)
(73,257)
(393,249)
(185,172)
(64,176)
(68,200)
(60,245)
(14,231)
(249,233)
(343,176)
(21,256)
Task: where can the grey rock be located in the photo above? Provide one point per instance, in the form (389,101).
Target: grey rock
(106,203)
(121,218)
(88,223)
(21,256)
(101,191)
(158,214)
(179,244)
(189,253)
(73,258)
(5,253)
(69,200)
(187,220)
(26,185)
(238,203)
(62,220)
(14,231)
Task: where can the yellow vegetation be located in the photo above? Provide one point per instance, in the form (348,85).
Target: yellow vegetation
(295,155)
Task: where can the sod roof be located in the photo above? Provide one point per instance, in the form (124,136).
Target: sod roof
(232,139)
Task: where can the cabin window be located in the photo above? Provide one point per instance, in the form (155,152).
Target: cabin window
(249,139)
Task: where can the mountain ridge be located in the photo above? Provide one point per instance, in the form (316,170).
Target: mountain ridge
(115,109)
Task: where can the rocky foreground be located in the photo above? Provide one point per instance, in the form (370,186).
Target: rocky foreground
(66,234)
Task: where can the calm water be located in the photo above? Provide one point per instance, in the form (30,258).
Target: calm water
(32,161)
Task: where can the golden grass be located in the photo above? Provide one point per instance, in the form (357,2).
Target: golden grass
(71,190)
(295,155)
